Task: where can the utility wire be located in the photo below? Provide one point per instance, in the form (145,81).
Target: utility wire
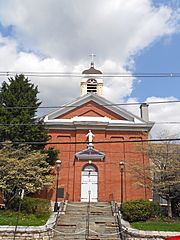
(98,142)
(120,152)
(103,105)
(44,124)
(72,74)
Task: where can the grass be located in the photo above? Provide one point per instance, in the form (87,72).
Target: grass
(8,217)
(158,225)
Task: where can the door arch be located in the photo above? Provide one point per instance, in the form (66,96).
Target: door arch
(89,183)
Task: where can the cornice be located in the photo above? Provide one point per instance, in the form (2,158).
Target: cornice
(100,126)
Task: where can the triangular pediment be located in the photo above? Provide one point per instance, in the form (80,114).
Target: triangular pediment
(91,113)
(89,154)
(91,109)
(91,105)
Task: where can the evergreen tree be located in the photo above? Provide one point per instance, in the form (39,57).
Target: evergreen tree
(18,107)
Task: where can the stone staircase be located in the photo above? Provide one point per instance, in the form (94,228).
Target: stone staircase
(73,224)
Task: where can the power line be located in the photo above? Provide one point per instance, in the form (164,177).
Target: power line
(44,124)
(73,74)
(167,122)
(98,142)
(103,105)
(120,152)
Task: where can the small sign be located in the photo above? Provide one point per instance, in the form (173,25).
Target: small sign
(60,193)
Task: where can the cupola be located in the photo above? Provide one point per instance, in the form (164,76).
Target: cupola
(92,81)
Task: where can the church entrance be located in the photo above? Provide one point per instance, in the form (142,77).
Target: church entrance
(89,184)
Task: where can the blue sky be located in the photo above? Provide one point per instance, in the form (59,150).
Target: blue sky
(6,31)
(162,57)
(126,36)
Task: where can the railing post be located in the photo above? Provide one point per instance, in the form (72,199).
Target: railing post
(88,216)
(120,225)
(117,214)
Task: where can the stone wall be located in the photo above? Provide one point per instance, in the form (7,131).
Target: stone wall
(29,232)
(134,234)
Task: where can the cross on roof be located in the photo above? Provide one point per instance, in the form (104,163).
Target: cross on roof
(92,55)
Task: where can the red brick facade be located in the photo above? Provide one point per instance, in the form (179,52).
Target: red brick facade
(109,178)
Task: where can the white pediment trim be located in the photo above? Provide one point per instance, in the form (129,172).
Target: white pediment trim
(97,99)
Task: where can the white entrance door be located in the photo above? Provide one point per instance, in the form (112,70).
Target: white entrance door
(89,184)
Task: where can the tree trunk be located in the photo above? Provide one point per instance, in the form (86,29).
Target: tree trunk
(169,208)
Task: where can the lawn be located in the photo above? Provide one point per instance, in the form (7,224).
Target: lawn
(8,217)
(158,225)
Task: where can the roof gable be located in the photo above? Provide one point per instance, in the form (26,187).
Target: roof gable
(91,109)
(92,104)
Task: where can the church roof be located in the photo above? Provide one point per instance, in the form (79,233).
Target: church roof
(127,121)
(92,70)
(89,154)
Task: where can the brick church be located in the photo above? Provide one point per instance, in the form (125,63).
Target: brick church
(95,139)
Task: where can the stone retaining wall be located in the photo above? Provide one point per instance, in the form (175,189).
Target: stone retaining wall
(44,232)
(135,234)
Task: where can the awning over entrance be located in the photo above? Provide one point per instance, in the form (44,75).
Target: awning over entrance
(90,154)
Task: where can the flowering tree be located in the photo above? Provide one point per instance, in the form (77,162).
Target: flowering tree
(22,168)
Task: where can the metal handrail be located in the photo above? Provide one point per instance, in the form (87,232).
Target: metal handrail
(88,217)
(59,210)
(117,214)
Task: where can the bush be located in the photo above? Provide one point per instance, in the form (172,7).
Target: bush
(139,210)
(52,155)
(30,205)
(36,206)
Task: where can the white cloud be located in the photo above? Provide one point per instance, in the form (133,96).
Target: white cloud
(65,32)
(160,114)
(69,30)
(53,91)
(166,112)
(58,90)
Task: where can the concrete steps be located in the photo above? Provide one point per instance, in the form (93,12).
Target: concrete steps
(73,224)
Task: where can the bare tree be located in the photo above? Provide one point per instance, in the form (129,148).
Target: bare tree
(162,175)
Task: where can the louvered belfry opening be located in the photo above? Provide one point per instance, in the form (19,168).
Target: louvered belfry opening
(91,86)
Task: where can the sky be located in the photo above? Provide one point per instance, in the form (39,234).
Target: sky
(127,36)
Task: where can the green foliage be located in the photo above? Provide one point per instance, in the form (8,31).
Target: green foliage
(36,206)
(9,217)
(30,205)
(22,168)
(158,225)
(139,210)
(20,124)
(52,155)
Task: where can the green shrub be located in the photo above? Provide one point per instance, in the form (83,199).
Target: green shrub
(13,204)
(30,205)
(36,206)
(52,155)
(139,210)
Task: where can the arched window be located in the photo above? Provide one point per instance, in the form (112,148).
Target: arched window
(90,168)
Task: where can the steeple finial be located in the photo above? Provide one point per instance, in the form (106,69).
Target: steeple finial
(92,55)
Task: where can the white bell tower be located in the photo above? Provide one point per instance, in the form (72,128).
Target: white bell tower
(92,81)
